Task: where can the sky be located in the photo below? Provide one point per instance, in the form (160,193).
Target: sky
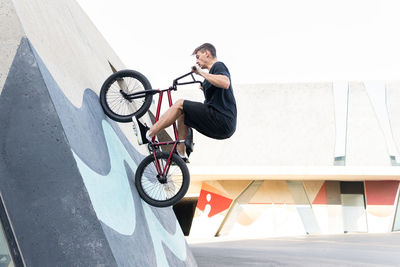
(261,41)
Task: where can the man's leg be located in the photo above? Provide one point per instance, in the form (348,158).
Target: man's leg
(182,134)
(168,118)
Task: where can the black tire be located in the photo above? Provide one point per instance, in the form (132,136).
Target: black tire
(152,190)
(118,108)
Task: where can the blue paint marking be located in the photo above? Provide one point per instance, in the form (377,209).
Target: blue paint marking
(176,242)
(113,203)
(111,195)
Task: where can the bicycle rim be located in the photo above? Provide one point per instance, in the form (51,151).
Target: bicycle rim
(156,190)
(116,101)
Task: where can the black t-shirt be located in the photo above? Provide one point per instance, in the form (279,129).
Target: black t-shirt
(221,99)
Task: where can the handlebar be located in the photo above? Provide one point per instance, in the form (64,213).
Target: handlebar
(176,83)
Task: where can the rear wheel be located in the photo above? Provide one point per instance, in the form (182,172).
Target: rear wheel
(162,191)
(114,100)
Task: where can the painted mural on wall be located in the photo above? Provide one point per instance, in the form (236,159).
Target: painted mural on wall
(137,234)
(286,208)
(110,187)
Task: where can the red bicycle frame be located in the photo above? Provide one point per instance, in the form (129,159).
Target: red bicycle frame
(160,171)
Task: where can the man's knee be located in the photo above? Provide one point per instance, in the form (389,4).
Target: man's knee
(179,104)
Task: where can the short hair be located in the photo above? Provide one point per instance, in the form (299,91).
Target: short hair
(206,46)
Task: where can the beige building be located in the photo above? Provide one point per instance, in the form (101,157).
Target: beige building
(311,158)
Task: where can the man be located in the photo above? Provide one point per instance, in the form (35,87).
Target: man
(215,118)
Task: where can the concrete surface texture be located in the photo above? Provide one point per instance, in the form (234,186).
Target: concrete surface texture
(299,124)
(307,144)
(271,208)
(11,31)
(65,169)
(342,250)
(304,131)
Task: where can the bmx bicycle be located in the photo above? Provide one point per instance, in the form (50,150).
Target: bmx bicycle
(162,178)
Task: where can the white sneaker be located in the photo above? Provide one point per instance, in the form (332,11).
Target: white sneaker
(140,131)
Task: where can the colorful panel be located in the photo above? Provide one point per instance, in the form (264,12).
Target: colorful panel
(323,193)
(326,205)
(333,193)
(227,188)
(381,192)
(211,209)
(313,188)
(216,202)
(354,217)
(321,196)
(380,199)
(276,192)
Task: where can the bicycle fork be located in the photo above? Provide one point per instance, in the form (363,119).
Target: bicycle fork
(162,171)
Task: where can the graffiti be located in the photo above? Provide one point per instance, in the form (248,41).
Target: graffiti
(110,194)
(113,203)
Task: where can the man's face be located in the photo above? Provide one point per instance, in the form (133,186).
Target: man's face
(202,59)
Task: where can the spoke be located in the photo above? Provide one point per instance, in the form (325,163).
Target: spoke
(156,190)
(116,101)
(113,104)
(116,87)
(131,106)
(138,86)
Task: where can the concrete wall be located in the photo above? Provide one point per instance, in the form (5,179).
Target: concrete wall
(313,124)
(254,209)
(11,32)
(66,171)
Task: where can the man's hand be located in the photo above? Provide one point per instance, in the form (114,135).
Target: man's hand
(196,70)
(217,80)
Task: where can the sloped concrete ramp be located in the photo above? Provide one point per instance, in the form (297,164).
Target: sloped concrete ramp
(66,177)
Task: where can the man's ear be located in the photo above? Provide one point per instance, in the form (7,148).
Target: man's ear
(207,53)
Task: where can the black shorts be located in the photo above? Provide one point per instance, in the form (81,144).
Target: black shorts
(207,120)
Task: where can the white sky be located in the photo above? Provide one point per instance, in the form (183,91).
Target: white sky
(259,40)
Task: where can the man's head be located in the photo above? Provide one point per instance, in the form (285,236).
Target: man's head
(205,54)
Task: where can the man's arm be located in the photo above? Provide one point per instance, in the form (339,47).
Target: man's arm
(217,80)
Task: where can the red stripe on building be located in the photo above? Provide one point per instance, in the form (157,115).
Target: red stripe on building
(321,196)
(217,202)
(381,192)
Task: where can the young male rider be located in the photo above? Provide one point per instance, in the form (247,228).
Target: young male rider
(215,118)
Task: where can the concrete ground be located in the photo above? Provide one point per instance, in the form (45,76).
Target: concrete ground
(322,250)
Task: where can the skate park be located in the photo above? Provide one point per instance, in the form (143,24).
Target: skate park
(67,197)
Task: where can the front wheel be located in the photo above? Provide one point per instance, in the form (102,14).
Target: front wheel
(161,191)
(114,95)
